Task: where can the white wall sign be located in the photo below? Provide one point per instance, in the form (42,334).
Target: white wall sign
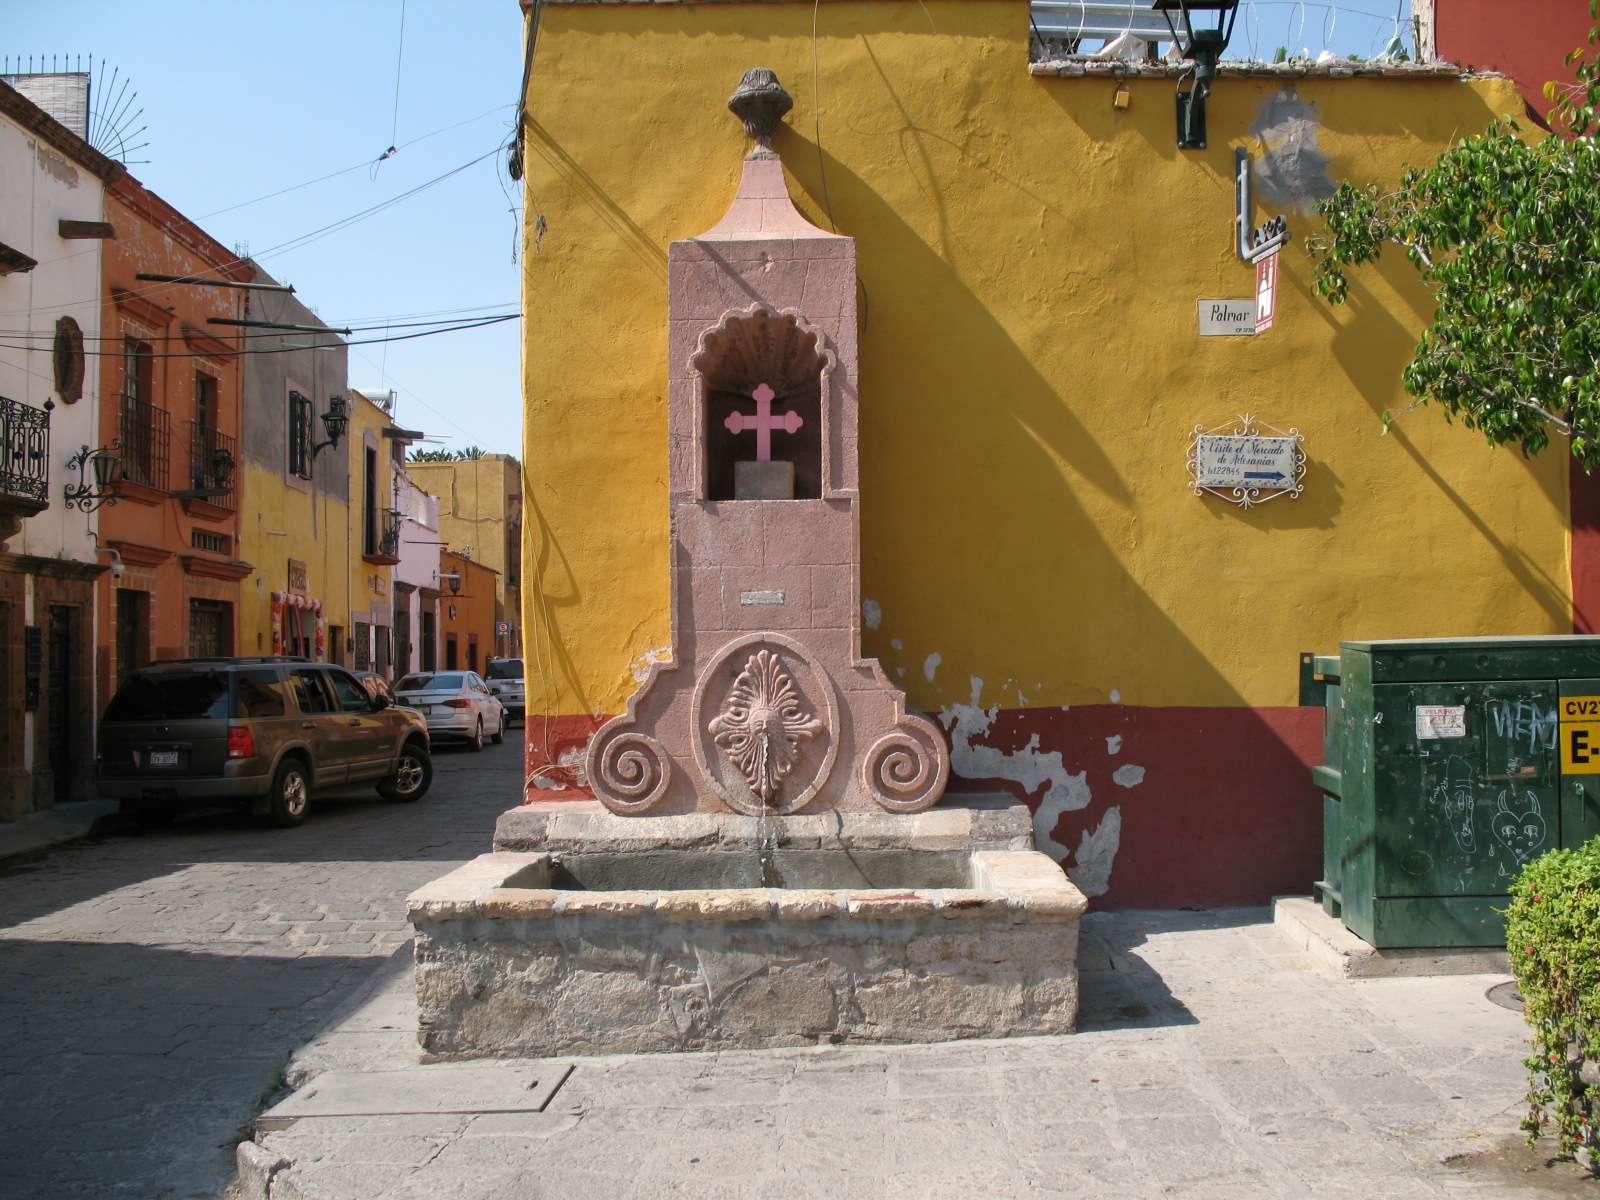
(1246,462)
(1227,318)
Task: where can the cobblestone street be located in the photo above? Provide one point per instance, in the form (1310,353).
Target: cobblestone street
(153,987)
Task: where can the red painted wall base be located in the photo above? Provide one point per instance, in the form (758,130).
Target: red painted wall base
(1160,807)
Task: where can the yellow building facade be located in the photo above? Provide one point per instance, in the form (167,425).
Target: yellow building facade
(1036,569)
(480,516)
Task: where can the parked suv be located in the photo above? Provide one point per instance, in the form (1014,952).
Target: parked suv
(504,676)
(266,733)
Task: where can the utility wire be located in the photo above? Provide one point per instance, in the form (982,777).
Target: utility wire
(480,323)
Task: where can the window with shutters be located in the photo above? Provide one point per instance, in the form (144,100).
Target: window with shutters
(299,436)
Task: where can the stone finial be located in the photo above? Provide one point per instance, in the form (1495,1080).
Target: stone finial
(760,102)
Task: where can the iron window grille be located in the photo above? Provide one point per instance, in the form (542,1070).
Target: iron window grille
(24,451)
(146,443)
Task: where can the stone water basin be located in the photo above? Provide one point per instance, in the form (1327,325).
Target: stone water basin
(614,939)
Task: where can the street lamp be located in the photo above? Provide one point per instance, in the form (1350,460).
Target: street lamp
(1202,43)
(336,420)
(105,467)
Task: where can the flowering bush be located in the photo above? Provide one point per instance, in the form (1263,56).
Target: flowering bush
(1553,936)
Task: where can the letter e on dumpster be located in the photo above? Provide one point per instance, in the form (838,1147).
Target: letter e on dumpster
(1580,735)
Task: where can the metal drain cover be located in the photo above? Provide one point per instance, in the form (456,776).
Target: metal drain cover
(1506,995)
(503,1087)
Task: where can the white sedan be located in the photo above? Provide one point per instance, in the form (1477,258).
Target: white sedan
(457,704)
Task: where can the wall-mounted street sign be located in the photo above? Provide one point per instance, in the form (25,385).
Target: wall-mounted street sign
(1246,462)
(1227,318)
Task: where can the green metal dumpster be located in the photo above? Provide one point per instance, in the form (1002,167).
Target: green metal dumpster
(1448,764)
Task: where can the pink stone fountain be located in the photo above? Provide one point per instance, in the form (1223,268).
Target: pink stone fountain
(767,705)
(759,869)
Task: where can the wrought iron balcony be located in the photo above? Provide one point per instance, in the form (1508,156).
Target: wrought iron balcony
(212,463)
(24,457)
(146,434)
(384,549)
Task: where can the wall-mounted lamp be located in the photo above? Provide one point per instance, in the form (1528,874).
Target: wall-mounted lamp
(222,466)
(1203,44)
(451,580)
(336,420)
(104,467)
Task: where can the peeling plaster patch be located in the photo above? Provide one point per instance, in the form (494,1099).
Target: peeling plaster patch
(1114,743)
(931,665)
(640,667)
(1091,870)
(1292,173)
(871,613)
(53,165)
(1028,766)
(568,765)
(1116,696)
(896,644)
(1128,775)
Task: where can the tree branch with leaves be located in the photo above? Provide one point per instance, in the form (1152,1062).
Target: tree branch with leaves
(1505,231)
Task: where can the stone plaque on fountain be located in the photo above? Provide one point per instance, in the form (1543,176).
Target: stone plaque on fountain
(767,705)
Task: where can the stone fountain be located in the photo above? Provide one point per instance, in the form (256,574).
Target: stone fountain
(762,864)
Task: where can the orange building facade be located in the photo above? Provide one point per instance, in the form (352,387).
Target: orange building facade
(170,396)
(468,624)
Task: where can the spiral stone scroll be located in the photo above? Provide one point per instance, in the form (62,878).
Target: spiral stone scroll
(628,771)
(905,771)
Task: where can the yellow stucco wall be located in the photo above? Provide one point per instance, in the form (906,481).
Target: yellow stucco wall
(278,522)
(371,590)
(1030,259)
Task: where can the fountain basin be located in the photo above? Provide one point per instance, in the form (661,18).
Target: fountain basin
(537,953)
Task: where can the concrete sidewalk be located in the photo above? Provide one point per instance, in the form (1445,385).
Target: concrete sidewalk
(1214,1062)
(38,831)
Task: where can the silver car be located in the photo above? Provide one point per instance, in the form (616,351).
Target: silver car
(457,704)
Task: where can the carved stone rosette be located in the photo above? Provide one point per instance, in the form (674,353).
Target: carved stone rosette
(763,725)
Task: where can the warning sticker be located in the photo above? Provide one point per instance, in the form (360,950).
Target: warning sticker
(1441,721)
(1580,748)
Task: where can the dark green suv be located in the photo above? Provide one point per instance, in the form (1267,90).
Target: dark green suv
(265,733)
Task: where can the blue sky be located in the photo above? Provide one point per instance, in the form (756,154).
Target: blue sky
(244,99)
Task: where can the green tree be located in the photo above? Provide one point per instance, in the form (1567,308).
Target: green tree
(1505,231)
(470,454)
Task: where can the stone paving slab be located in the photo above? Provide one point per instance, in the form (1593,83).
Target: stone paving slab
(1214,1062)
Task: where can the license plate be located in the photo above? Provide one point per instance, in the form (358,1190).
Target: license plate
(163,758)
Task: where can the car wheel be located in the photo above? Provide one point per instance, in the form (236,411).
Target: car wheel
(498,737)
(475,742)
(413,775)
(290,797)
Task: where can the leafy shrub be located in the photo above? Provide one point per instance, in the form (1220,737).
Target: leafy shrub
(1553,936)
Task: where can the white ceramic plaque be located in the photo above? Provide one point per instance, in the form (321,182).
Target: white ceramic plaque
(1227,318)
(1227,461)
(1441,721)
(1246,461)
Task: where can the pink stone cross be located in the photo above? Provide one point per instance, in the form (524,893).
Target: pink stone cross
(763,422)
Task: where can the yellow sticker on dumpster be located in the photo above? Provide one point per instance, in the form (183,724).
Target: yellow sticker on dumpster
(1580,708)
(1580,747)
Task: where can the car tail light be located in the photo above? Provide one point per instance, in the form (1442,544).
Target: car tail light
(241,743)
(458,703)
